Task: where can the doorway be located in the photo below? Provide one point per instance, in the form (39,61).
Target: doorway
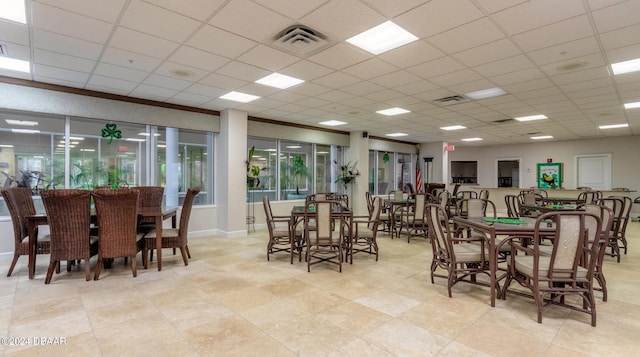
(508,172)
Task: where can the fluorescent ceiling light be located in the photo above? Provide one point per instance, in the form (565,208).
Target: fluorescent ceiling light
(88,150)
(5,146)
(486,93)
(397,134)
(21,122)
(632,105)
(13,10)
(531,117)
(25,131)
(75,138)
(74,143)
(453,127)
(293,147)
(626,66)
(472,139)
(274,150)
(613,126)
(392,111)
(13,64)
(134,139)
(278,80)
(322,152)
(162,145)
(542,137)
(382,38)
(332,122)
(239,97)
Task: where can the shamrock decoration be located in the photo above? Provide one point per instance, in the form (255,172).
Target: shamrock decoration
(110,131)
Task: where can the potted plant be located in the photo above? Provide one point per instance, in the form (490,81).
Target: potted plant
(253,171)
(294,174)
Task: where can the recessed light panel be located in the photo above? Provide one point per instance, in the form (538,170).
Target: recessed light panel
(486,93)
(278,80)
(382,38)
(632,105)
(21,122)
(542,137)
(25,131)
(13,10)
(626,66)
(13,64)
(396,134)
(332,122)
(531,117)
(613,126)
(239,97)
(453,127)
(472,139)
(392,111)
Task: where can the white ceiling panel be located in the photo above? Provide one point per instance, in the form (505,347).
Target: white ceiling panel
(550,56)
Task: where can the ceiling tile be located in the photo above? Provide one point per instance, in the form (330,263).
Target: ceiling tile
(467,36)
(70,24)
(149,19)
(339,56)
(617,16)
(220,42)
(534,14)
(138,42)
(267,58)
(241,16)
(443,15)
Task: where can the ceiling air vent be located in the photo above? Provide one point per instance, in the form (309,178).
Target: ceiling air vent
(451,100)
(300,40)
(503,121)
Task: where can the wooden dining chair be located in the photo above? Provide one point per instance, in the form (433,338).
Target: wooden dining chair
(150,196)
(174,237)
(69,215)
(414,219)
(568,270)
(325,243)
(20,204)
(364,230)
(117,217)
(284,236)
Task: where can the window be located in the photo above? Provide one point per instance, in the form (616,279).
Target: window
(101,153)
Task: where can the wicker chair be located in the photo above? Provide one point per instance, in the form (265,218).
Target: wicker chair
(69,214)
(116,211)
(414,219)
(617,206)
(325,243)
(150,196)
(283,236)
(569,270)
(462,258)
(20,204)
(175,237)
(364,231)
(513,205)
(622,232)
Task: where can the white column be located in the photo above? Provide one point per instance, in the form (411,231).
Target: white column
(359,151)
(231,181)
(172,168)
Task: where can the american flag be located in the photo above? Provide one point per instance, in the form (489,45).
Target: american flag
(418,177)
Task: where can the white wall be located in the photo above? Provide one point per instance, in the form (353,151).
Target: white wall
(624,152)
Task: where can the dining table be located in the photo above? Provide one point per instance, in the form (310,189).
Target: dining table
(551,207)
(502,226)
(159,213)
(297,217)
(393,205)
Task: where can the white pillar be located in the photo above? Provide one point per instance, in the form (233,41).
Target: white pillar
(172,167)
(359,151)
(231,181)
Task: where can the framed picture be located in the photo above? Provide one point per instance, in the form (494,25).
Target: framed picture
(550,175)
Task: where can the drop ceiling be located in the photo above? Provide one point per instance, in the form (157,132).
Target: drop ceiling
(551,57)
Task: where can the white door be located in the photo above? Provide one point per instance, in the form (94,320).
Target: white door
(594,171)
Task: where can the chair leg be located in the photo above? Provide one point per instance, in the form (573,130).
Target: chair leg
(96,274)
(13,264)
(184,256)
(186,247)
(87,269)
(134,266)
(52,266)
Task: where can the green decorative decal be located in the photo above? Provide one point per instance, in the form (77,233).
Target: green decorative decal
(110,131)
(385,157)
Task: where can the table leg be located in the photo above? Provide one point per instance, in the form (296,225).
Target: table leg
(159,241)
(493,267)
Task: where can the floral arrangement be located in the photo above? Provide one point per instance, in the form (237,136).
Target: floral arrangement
(348,173)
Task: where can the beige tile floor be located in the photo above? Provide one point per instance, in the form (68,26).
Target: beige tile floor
(230,301)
